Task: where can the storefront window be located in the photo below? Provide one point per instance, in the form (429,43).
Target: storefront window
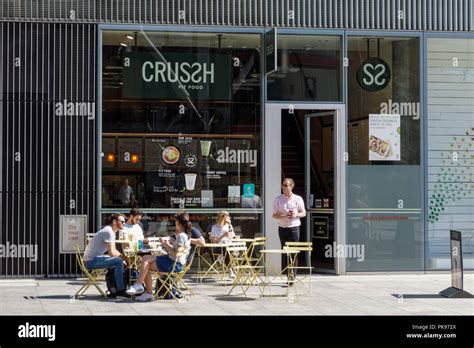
(181,120)
(309,69)
(450,149)
(245,225)
(384,173)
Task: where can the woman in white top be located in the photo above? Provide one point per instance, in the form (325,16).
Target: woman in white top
(176,254)
(222,232)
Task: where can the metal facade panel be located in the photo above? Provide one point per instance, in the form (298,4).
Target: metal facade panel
(452,15)
(47,151)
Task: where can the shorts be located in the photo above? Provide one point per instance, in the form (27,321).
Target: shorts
(165,264)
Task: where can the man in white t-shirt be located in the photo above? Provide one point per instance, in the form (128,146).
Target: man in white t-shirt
(133,228)
(104,242)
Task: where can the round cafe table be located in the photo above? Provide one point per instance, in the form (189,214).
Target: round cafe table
(289,270)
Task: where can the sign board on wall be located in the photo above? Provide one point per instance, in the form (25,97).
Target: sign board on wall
(271,51)
(73,232)
(373,74)
(151,75)
(320,227)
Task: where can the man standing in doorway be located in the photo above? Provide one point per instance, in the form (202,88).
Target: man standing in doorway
(288,208)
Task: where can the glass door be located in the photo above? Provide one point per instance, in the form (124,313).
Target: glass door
(320,183)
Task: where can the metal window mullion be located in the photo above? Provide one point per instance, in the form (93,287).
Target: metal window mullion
(22,134)
(1,127)
(9,149)
(33,100)
(334,16)
(455,16)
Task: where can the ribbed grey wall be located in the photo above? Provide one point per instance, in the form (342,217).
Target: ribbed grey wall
(47,161)
(442,15)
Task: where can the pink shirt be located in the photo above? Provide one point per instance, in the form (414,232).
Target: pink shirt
(282,205)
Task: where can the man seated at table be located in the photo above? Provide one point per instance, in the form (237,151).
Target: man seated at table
(132,227)
(104,241)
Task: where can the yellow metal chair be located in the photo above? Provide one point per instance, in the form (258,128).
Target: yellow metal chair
(246,273)
(171,279)
(302,247)
(258,242)
(92,275)
(180,276)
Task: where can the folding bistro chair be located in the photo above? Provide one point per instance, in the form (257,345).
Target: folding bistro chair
(172,280)
(246,273)
(258,242)
(180,276)
(302,246)
(92,275)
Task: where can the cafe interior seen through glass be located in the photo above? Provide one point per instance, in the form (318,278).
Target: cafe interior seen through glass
(181,120)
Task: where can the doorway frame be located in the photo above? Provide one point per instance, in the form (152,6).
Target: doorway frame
(272,174)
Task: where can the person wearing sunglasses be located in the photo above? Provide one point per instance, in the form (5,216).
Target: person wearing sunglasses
(104,242)
(288,208)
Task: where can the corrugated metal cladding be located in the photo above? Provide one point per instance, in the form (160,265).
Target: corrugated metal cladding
(442,15)
(47,160)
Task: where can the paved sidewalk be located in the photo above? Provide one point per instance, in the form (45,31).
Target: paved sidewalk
(331,295)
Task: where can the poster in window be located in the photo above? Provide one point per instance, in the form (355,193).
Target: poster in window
(384,137)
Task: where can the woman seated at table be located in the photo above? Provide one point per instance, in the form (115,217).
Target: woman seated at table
(222,231)
(164,264)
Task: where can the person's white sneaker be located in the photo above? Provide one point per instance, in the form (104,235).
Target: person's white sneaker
(135,289)
(232,274)
(145,297)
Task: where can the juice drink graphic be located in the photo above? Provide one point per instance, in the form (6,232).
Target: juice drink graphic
(205,147)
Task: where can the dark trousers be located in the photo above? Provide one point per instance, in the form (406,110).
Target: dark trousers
(288,234)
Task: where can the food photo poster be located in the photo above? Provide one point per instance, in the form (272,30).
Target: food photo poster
(384,137)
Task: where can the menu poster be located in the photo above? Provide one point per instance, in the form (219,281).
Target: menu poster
(384,137)
(207,199)
(234,194)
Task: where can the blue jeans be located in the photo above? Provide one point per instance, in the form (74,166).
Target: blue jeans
(105,261)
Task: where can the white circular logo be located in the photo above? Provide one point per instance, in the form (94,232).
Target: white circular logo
(190,161)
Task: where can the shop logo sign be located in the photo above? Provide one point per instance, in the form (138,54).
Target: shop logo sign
(237,156)
(177,75)
(190,161)
(373,74)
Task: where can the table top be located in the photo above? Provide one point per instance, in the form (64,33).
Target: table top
(246,240)
(279,251)
(146,251)
(213,245)
(118,241)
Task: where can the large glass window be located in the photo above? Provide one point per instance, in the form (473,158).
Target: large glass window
(309,69)
(181,120)
(384,173)
(450,149)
